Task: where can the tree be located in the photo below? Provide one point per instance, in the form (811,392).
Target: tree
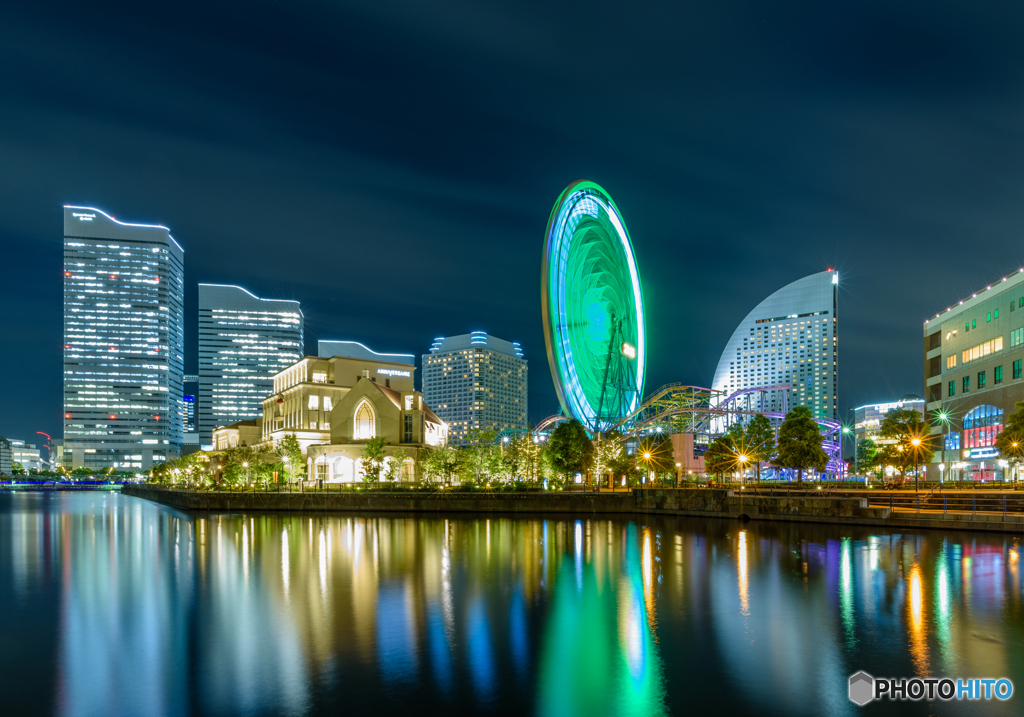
(373,459)
(289,448)
(441,463)
(569,449)
(911,440)
(482,459)
(17,469)
(867,455)
(720,456)
(607,453)
(799,446)
(394,470)
(760,442)
(655,454)
(1010,440)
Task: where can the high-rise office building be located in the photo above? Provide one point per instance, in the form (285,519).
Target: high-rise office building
(190,404)
(791,339)
(476,381)
(243,342)
(123,342)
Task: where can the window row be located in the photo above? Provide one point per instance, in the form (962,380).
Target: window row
(997,378)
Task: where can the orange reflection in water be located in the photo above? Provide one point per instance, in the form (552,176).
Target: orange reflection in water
(918,629)
(741,562)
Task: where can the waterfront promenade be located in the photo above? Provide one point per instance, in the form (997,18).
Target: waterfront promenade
(872,508)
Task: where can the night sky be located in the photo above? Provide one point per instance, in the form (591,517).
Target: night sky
(392,165)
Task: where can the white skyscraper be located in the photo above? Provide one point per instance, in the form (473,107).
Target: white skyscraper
(790,339)
(476,381)
(123,342)
(243,341)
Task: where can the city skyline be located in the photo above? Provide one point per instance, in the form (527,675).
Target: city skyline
(382,155)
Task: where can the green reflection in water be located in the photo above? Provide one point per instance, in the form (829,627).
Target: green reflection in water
(846,592)
(599,655)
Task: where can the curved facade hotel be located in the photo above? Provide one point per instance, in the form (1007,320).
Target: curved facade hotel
(124,296)
(244,341)
(790,339)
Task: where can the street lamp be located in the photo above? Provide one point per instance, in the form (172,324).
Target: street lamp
(743,464)
(847,431)
(916,443)
(942,468)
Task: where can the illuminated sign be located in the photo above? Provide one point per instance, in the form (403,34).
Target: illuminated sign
(83,217)
(628,351)
(393,372)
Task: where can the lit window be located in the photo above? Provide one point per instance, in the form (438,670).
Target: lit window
(314,403)
(364,420)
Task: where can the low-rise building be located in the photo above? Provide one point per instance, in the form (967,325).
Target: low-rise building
(370,410)
(867,420)
(28,455)
(973,358)
(334,405)
(5,456)
(240,434)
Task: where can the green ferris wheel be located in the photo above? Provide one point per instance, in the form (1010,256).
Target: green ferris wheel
(592,308)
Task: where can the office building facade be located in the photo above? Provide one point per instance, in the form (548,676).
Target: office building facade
(867,420)
(243,342)
(476,382)
(791,341)
(28,455)
(123,342)
(974,374)
(6,457)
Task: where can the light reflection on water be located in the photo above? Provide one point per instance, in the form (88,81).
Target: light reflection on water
(115,606)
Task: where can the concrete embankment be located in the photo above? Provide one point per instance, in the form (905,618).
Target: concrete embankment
(705,503)
(385,501)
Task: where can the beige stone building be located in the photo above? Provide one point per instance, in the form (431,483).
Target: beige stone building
(242,433)
(334,405)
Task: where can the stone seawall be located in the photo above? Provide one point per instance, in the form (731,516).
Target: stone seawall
(393,502)
(703,503)
(733,504)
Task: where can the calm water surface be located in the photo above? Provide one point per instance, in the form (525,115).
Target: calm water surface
(111,605)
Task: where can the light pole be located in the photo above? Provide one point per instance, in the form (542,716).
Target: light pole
(743,465)
(847,431)
(916,443)
(245,464)
(942,468)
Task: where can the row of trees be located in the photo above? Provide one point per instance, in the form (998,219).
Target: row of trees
(798,446)
(489,458)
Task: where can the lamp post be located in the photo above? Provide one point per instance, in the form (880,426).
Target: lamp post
(942,468)
(846,431)
(245,464)
(743,465)
(916,443)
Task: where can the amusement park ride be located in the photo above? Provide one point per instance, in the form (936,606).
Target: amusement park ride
(592,308)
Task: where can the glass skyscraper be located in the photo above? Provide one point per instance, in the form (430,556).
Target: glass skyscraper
(123,342)
(243,341)
(476,381)
(790,342)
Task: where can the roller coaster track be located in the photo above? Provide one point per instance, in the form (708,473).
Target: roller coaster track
(677,408)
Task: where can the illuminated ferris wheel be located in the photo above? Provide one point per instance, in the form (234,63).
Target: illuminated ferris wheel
(592,308)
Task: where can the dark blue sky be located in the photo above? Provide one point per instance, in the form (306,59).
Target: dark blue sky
(392,164)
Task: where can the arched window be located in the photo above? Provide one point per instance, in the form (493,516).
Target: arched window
(981,426)
(363,426)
